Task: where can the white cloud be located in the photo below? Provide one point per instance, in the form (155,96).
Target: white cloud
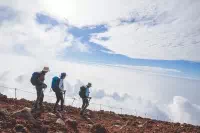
(166,29)
(182,110)
(22,34)
(169,31)
(89,12)
(147,93)
(162,29)
(156,70)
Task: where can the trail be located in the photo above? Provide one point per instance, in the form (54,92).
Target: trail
(16,116)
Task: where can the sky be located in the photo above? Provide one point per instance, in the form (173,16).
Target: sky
(143,54)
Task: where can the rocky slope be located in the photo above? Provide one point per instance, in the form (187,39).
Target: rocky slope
(16,116)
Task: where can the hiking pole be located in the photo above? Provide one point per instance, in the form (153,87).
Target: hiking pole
(73,101)
(64,97)
(89,98)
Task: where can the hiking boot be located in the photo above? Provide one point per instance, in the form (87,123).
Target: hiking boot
(54,110)
(81,113)
(63,111)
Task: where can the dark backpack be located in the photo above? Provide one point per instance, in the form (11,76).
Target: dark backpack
(82,91)
(34,78)
(55,83)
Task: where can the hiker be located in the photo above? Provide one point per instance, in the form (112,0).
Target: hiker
(84,94)
(37,80)
(58,87)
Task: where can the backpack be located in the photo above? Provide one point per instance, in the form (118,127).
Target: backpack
(34,78)
(82,91)
(55,83)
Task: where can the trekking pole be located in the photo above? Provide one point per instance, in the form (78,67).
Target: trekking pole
(73,101)
(89,99)
(64,97)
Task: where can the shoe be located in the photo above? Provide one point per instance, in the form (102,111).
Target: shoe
(81,113)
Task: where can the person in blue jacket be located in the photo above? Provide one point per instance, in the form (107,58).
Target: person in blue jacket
(85,98)
(59,92)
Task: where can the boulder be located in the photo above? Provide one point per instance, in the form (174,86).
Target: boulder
(25,114)
(117,122)
(60,121)
(51,115)
(20,129)
(98,128)
(89,126)
(4,113)
(45,129)
(72,123)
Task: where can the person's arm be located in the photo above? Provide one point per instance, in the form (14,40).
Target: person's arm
(61,85)
(39,82)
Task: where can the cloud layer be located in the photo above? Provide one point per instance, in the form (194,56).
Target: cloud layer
(137,92)
(166,30)
(145,29)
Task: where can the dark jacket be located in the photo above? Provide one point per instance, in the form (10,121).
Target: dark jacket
(40,79)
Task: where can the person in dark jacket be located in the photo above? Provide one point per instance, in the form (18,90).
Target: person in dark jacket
(60,91)
(85,98)
(40,86)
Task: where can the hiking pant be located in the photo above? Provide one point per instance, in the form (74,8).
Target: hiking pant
(59,97)
(84,105)
(40,96)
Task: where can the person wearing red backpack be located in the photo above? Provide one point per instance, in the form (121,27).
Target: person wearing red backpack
(37,80)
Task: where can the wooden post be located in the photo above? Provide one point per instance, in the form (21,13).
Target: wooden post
(15,93)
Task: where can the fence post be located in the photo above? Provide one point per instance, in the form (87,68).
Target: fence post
(135,112)
(73,101)
(15,93)
(100,107)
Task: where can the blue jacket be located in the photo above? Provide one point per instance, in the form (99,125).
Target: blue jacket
(87,92)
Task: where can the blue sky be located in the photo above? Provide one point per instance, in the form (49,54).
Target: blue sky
(101,55)
(98,53)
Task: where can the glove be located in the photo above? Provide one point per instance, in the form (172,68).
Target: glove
(44,86)
(63,91)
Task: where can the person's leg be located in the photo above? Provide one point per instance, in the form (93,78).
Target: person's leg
(41,98)
(38,97)
(86,104)
(57,101)
(83,105)
(62,101)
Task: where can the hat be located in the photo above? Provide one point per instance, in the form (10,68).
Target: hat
(89,84)
(64,74)
(46,69)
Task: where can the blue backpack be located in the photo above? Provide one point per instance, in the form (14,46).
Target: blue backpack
(34,78)
(55,83)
